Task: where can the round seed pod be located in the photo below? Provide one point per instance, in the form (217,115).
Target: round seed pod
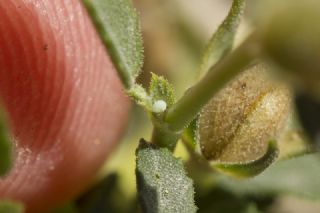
(290,32)
(237,124)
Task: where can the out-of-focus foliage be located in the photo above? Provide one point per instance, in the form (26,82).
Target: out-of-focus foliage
(289,34)
(66,208)
(7,206)
(309,114)
(106,196)
(222,200)
(297,176)
(5,144)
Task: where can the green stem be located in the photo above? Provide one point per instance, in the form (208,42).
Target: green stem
(163,137)
(185,110)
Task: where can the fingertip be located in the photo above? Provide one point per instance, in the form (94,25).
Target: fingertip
(64,99)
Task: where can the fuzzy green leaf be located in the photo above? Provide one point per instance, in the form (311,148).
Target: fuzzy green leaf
(5,145)
(7,206)
(163,186)
(297,176)
(140,96)
(222,40)
(161,89)
(252,168)
(118,26)
(190,134)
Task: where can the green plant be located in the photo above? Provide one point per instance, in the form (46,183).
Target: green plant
(235,119)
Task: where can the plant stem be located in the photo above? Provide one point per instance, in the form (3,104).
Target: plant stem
(185,110)
(164,138)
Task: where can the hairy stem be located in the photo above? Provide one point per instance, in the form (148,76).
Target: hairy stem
(164,138)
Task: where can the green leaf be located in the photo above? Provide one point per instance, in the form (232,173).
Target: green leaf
(252,168)
(161,89)
(140,96)
(7,206)
(5,145)
(163,186)
(118,25)
(298,176)
(190,134)
(222,40)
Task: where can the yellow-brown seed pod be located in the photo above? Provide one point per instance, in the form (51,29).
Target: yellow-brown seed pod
(237,124)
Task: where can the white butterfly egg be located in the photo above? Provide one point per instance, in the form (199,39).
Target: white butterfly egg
(159,106)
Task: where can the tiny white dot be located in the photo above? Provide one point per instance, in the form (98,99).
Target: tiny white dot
(159,106)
